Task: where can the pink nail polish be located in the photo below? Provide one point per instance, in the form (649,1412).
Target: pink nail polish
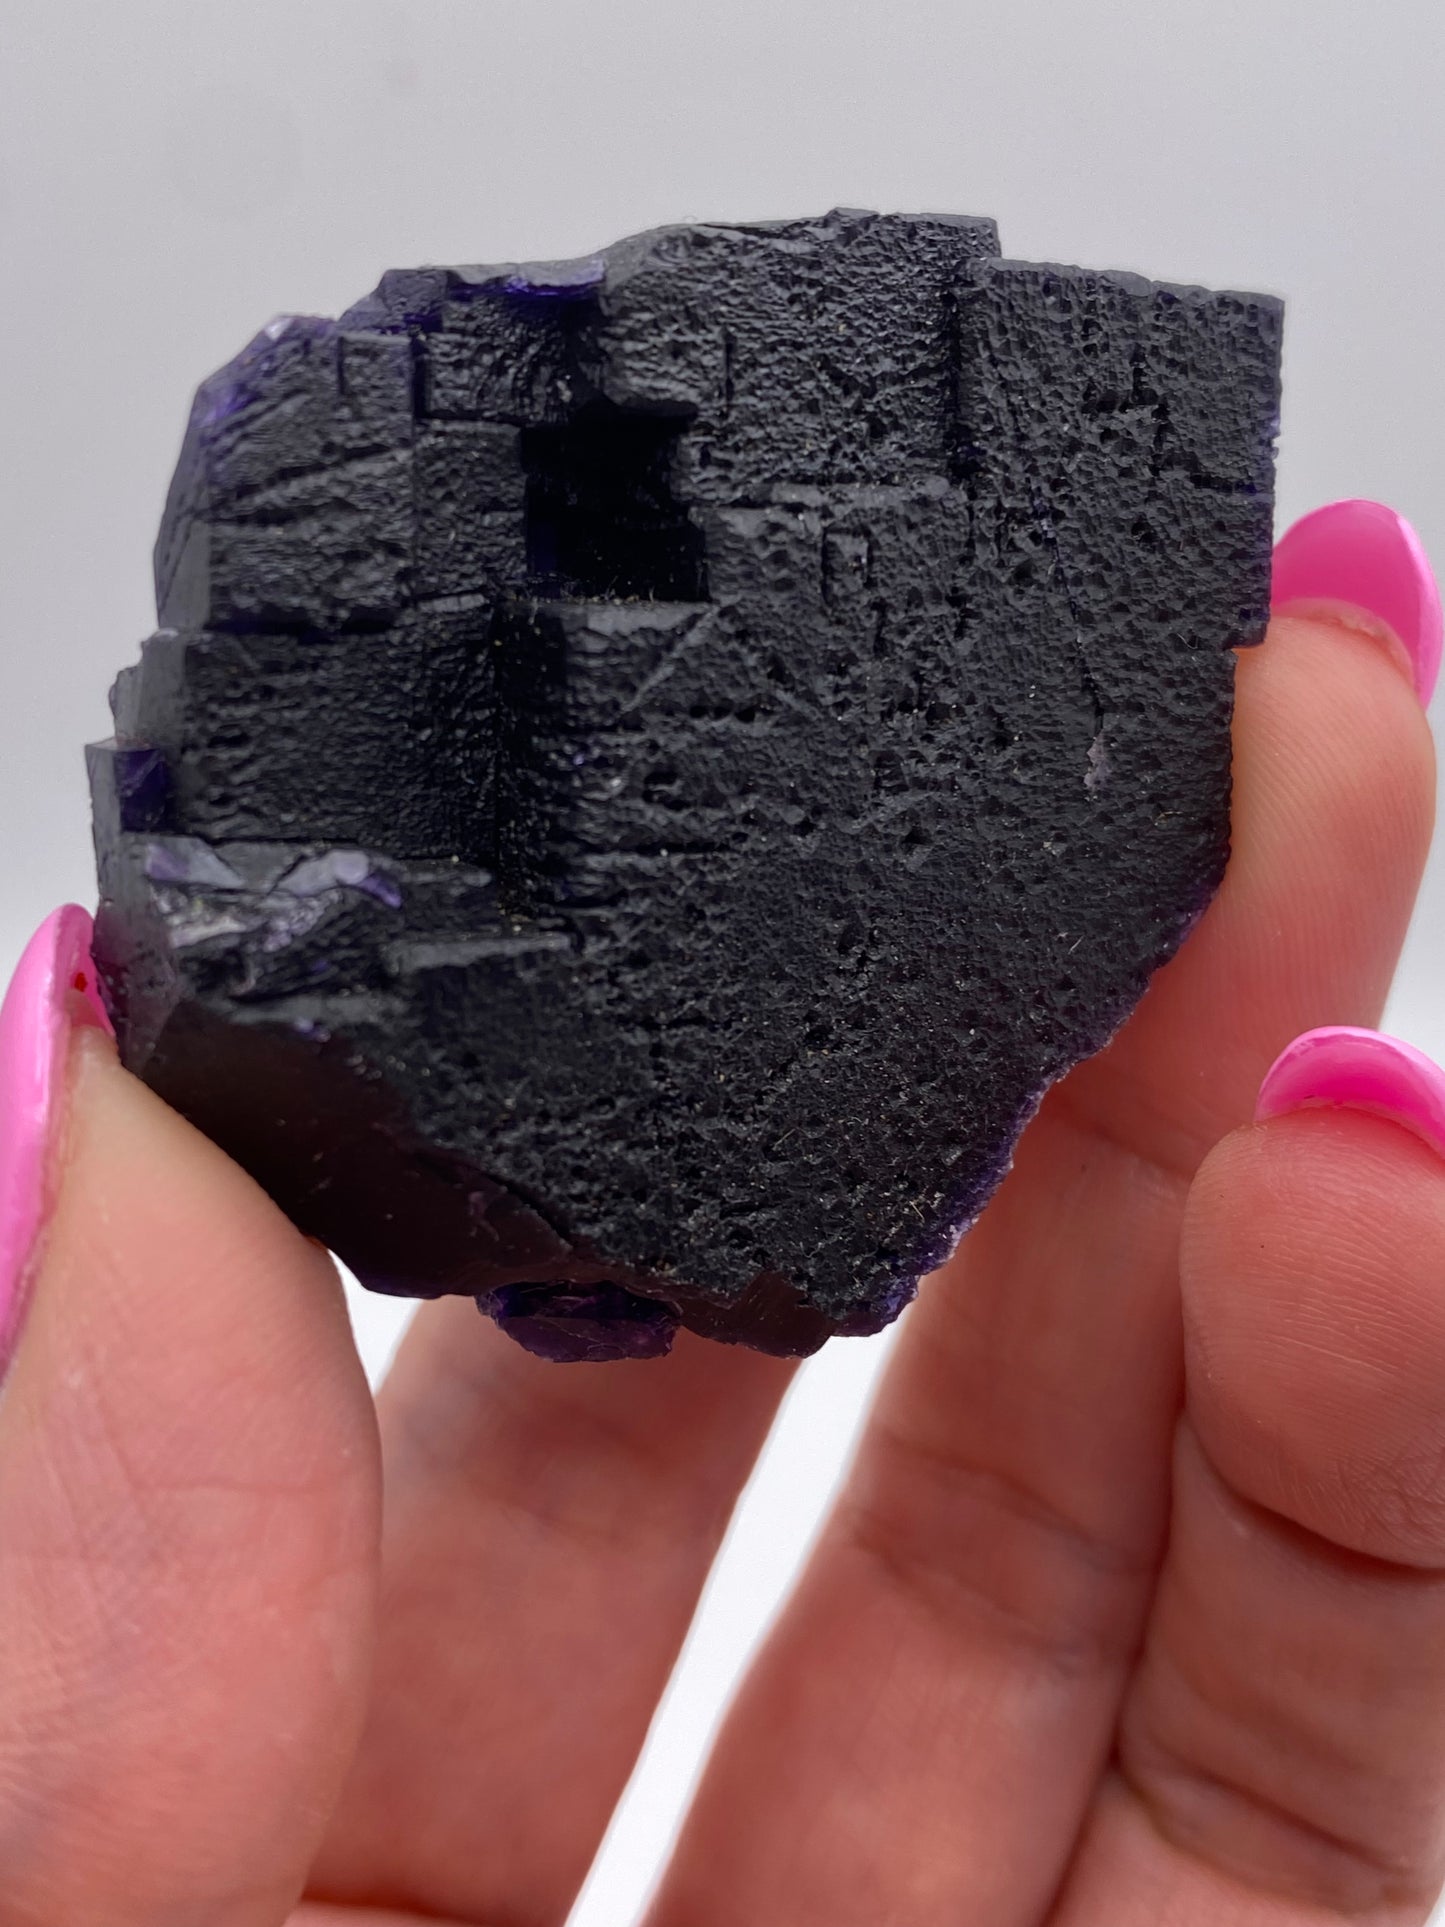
(1366,557)
(53,989)
(1362,1069)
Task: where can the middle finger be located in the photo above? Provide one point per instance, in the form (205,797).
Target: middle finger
(547,1531)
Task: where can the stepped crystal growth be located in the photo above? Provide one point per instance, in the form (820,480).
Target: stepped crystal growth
(651,765)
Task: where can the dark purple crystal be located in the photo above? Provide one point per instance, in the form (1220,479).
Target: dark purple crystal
(567,1324)
(652,764)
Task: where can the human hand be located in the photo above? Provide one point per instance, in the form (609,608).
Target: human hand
(1132,1609)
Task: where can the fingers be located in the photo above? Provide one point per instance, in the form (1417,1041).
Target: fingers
(320,1915)
(188,1497)
(1320,1397)
(923,1734)
(1282,1748)
(548,1531)
(1328,848)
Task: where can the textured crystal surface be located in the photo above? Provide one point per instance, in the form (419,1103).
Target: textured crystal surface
(651,765)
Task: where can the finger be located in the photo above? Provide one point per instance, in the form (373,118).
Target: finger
(319,1914)
(922,1735)
(548,1531)
(188,1496)
(1282,1747)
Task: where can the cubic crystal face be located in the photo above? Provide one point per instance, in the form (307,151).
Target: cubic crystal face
(651,765)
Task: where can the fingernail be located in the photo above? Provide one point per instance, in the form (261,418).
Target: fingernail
(1360,559)
(53,989)
(1362,1069)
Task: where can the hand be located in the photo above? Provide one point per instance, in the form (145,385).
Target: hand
(1132,1610)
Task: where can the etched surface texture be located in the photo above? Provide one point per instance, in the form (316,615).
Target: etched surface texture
(651,765)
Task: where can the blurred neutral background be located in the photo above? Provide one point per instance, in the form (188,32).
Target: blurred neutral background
(175,172)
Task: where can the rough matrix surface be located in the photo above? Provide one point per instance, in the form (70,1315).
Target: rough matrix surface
(651,765)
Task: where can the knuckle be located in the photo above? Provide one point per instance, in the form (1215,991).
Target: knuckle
(993,1556)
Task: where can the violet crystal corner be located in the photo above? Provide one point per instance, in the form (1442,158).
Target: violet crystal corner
(651,765)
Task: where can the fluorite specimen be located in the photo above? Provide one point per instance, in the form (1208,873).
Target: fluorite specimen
(651,765)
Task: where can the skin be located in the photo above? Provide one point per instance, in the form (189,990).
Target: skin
(1132,1609)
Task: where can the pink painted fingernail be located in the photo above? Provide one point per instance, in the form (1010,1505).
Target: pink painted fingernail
(1362,1069)
(53,990)
(1362,559)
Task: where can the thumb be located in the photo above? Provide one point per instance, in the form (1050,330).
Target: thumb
(188,1498)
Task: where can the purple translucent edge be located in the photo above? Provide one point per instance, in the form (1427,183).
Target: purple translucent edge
(143,786)
(404,301)
(165,863)
(412,299)
(226,392)
(557,1322)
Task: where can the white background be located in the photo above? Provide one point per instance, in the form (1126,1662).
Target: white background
(174,172)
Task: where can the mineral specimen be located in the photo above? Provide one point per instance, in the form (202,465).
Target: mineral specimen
(651,765)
